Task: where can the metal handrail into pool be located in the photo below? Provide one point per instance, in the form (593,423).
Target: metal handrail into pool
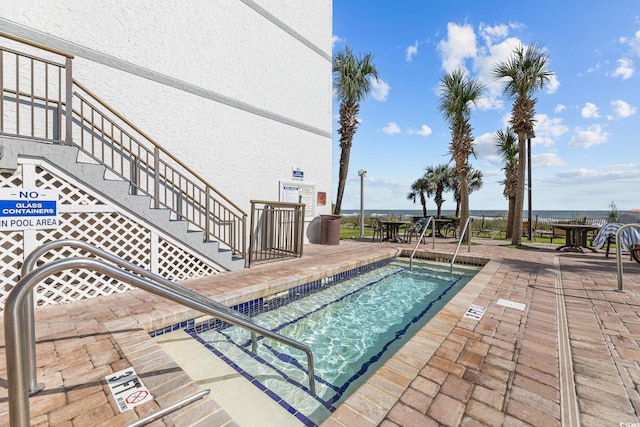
(169,409)
(424,230)
(619,253)
(15,345)
(462,234)
(30,264)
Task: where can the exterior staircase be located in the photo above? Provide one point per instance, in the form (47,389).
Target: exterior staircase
(118,192)
(75,131)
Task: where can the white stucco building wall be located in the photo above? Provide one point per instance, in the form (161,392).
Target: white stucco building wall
(239,90)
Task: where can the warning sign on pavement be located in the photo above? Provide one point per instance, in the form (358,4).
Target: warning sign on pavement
(127,389)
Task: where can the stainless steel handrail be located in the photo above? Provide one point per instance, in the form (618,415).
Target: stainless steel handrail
(15,344)
(462,234)
(169,409)
(424,230)
(30,264)
(619,253)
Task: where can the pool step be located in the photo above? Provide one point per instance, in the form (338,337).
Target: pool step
(275,375)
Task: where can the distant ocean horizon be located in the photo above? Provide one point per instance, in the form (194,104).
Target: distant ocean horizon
(543,214)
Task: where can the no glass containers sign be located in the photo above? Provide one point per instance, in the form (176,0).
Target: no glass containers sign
(23,209)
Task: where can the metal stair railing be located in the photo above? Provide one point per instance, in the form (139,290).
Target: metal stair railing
(15,314)
(169,409)
(30,264)
(44,91)
(424,230)
(462,234)
(134,156)
(619,253)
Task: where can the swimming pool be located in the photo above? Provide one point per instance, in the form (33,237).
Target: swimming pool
(352,324)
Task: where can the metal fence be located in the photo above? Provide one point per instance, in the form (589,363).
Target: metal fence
(277,231)
(39,99)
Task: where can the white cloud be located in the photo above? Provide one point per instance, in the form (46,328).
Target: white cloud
(495,33)
(547,130)
(590,111)
(625,69)
(459,45)
(412,51)
(546,160)
(620,173)
(623,109)
(553,84)
(483,65)
(391,129)
(633,42)
(423,131)
(486,148)
(380,89)
(335,39)
(559,108)
(593,135)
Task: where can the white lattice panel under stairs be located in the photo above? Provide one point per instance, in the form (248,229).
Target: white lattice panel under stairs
(84,216)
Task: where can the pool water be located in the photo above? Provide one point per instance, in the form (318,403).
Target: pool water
(352,327)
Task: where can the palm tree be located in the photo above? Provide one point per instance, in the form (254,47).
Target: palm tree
(420,188)
(507,143)
(438,179)
(524,73)
(458,93)
(351,84)
(474,182)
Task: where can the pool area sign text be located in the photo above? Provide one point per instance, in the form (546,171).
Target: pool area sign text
(28,209)
(475,312)
(127,389)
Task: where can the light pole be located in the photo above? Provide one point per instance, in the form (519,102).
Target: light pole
(362,173)
(529,138)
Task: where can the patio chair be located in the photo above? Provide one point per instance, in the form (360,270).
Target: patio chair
(378,229)
(453,227)
(484,230)
(414,229)
(626,218)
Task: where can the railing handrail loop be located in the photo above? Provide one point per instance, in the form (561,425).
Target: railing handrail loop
(30,264)
(619,253)
(424,230)
(462,234)
(15,345)
(169,409)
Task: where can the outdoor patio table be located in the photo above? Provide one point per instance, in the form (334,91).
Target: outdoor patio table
(576,236)
(392,230)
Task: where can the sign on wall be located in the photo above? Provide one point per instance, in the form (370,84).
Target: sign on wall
(296,192)
(290,193)
(25,209)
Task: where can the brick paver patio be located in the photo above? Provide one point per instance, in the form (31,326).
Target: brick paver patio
(571,357)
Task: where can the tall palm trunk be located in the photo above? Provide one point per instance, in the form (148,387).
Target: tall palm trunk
(512,204)
(516,238)
(423,200)
(342,177)
(348,125)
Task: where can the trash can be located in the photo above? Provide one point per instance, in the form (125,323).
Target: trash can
(329,229)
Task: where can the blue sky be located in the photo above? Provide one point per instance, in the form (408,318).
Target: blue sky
(586,153)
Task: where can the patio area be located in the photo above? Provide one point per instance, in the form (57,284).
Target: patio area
(571,357)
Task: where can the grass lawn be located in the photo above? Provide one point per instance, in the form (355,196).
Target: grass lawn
(351,230)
